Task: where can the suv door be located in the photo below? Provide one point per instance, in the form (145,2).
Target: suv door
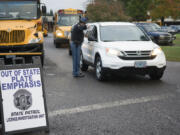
(85,46)
(92,42)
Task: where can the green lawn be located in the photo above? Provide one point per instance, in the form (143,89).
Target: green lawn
(173,52)
(177,41)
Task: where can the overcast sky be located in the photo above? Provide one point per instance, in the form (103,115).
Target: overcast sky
(63,4)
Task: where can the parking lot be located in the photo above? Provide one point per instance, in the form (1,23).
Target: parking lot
(131,105)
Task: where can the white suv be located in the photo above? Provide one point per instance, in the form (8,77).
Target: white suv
(121,46)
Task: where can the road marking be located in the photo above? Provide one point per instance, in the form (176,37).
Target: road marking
(51,74)
(94,107)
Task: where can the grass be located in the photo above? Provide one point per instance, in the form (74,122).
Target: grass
(177,41)
(173,52)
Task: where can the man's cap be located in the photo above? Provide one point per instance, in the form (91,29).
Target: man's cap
(83,20)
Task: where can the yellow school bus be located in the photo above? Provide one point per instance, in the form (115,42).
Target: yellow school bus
(64,19)
(21,29)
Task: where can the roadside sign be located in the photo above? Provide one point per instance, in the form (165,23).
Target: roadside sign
(23,105)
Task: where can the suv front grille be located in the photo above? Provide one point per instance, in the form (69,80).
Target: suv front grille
(166,37)
(137,55)
(15,36)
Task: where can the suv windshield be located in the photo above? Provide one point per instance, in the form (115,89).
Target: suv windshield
(122,33)
(68,20)
(10,10)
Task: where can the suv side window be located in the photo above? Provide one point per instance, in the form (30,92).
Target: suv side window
(87,33)
(92,32)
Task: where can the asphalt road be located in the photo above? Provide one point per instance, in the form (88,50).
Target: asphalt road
(130,105)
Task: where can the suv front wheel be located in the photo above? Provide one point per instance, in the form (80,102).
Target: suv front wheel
(100,73)
(83,65)
(156,74)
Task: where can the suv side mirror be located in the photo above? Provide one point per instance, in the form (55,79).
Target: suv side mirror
(92,38)
(44,10)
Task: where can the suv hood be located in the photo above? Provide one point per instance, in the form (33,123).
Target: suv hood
(16,24)
(131,45)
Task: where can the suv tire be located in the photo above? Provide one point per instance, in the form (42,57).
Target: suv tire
(100,73)
(83,65)
(156,74)
(56,44)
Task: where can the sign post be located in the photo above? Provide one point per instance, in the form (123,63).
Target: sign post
(23,102)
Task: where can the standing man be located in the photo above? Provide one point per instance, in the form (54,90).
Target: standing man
(77,38)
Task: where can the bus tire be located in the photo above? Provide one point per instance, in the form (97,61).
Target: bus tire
(42,59)
(56,44)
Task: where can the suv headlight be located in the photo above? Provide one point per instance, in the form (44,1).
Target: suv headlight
(156,51)
(59,33)
(34,40)
(113,52)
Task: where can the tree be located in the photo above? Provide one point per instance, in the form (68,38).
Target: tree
(165,8)
(105,10)
(137,9)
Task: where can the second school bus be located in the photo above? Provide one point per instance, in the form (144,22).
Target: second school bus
(64,19)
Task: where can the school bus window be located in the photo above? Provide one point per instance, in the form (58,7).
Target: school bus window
(18,10)
(68,20)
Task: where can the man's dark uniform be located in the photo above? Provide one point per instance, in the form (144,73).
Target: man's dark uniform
(77,34)
(77,38)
